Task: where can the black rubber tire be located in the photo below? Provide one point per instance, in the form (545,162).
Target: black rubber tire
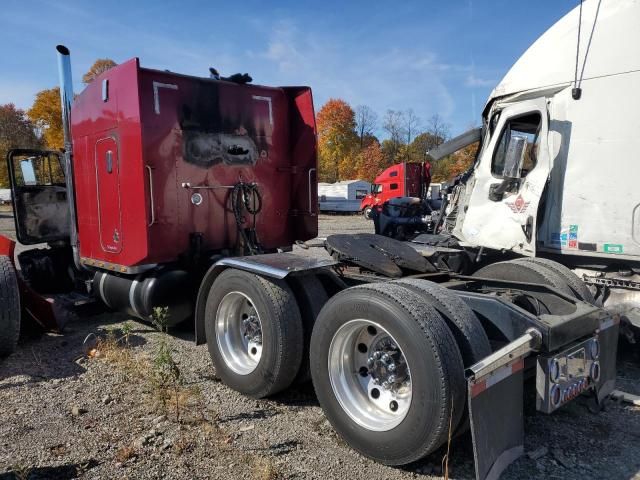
(471,338)
(282,333)
(528,272)
(366,212)
(311,297)
(580,290)
(438,382)
(9,307)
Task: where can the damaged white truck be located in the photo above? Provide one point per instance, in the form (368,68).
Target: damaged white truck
(555,175)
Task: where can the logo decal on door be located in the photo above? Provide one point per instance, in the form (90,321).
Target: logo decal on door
(518,205)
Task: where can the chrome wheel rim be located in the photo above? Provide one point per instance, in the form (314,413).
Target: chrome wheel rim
(369,375)
(239,333)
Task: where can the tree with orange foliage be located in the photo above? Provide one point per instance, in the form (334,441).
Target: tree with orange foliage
(463,159)
(337,140)
(455,164)
(101,65)
(46,114)
(370,162)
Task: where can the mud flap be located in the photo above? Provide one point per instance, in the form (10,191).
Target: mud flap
(497,419)
(608,334)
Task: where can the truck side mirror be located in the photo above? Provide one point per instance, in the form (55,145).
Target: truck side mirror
(28,172)
(514,157)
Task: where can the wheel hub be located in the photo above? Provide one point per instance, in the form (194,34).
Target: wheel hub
(387,366)
(239,332)
(251,329)
(369,375)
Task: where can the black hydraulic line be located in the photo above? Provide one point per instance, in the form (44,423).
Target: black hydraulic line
(246,197)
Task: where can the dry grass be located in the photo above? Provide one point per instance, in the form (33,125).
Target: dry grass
(21,472)
(445,459)
(125,453)
(182,404)
(165,393)
(262,468)
(114,349)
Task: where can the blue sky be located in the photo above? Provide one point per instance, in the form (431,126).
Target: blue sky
(435,57)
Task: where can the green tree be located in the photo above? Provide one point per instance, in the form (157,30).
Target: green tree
(16,131)
(423,143)
(337,140)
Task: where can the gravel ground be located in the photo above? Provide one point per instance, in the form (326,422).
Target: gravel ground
(66,415)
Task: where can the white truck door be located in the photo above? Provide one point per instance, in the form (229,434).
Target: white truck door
(502,208)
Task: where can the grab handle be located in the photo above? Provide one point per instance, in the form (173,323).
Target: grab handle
(153,208)
(311,212)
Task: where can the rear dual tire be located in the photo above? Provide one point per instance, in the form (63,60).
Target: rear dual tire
(254,332)
(539,270)
(351,329)
(577,286)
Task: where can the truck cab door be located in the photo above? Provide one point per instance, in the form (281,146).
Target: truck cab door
(509,179)
(39,195)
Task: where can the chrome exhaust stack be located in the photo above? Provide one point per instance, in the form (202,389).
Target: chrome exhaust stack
(66,93)
(66,99)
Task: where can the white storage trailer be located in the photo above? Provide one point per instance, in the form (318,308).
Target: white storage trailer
(5,196)
(344,196)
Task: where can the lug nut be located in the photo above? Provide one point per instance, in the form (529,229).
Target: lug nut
(386,358)
(377,354)
(392,379)
(391,367)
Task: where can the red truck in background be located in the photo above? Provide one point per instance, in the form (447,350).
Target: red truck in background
(401,180)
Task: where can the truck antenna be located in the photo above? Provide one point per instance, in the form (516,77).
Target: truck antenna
(576,91)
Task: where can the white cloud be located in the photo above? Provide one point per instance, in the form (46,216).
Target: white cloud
(393,78)
(473,81)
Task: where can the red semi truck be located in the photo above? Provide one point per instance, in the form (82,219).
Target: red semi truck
(401,180)
(189,192)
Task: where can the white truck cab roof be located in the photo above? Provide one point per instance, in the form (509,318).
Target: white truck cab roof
(609,45)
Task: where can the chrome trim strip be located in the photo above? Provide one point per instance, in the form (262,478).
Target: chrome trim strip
(204,187)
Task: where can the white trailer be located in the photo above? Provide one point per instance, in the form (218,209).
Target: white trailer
(5,196)
(344,196)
